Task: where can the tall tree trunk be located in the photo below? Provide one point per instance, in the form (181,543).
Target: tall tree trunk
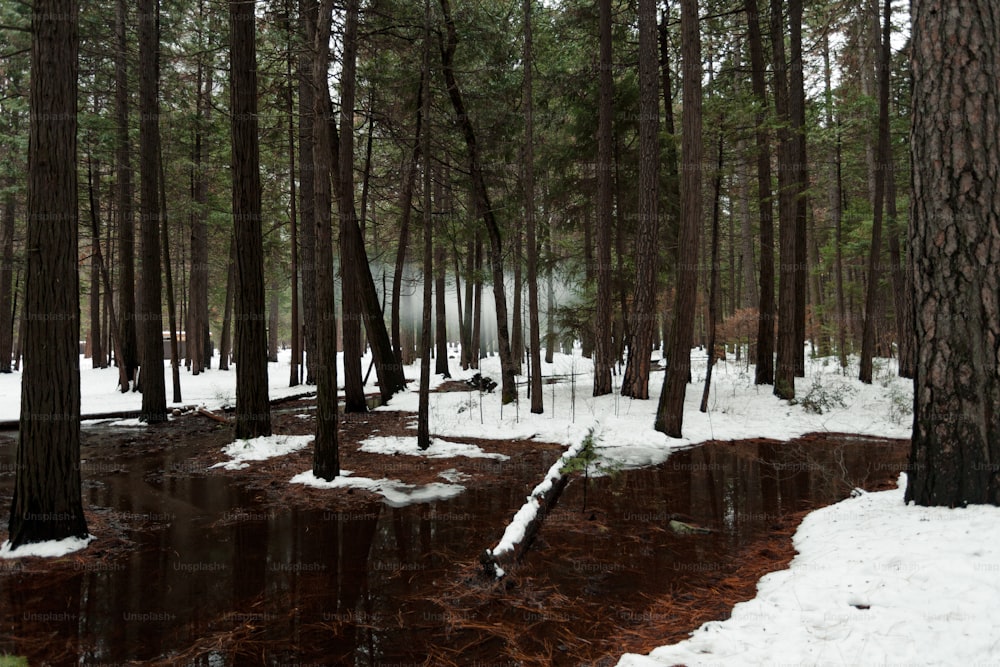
(198,340)
(475,346)
(784,378)
(294,375)
(670,411)
(602,320)
(902,279)
(636,381)
(713,290)
(800,177)
(225,337)
(881,165)
(672,193)
(423,421)
(253,409)
(7,280)
(350,324)
(470,296)
(308,11)
(326,451)
(154,397)
(483,205)
(406,213)
(175,358)
(550,304)
(273,322)
(96,350)
(47,502)
(527,95)
(440,262)
(955,242)
(764,373)
(129,355)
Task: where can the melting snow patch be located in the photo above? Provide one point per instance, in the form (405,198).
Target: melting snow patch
(395,492)
(259,449)
(452,475)
(439,449)
(50,549)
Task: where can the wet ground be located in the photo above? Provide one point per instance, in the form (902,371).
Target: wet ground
(212,567)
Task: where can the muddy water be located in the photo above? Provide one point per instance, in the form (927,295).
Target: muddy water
(215,577)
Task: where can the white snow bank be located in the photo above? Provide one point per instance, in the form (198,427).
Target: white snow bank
(875,582)
(50,549)
(259,449)
(438,449)
(395,492)
(515,530)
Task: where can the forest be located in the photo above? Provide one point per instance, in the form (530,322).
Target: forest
(366,204)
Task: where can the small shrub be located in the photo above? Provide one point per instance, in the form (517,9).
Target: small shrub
(821,398)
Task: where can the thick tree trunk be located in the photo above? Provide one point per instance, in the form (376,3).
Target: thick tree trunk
(253,412)
(670,411)
(764,373)
(154,398)
(483,205)
(636,381)
(955,242)
(129,355)
(602,320)
(326,451)
(787,353)
(47,504)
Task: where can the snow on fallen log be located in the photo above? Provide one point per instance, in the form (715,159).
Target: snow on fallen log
(523,527)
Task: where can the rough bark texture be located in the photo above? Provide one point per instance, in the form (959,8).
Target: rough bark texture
(46,503)
(955,240)
(670,411)
(154,398)
(603,356)
(764,373)
(326,452)
(636,380)
(800,178)
(253,412)
(307,204)
(123,195)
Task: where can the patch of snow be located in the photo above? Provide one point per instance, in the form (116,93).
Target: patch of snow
(394,492)
(875,581)
(452,475)
(259,449)
(438,449)
(50,549)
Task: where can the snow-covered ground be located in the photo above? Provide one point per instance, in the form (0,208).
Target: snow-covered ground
(875,581)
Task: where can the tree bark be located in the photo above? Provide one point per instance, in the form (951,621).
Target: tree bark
(423,409)
(198,340)
(175,359)
(483,205)
(308,11)
(713,290)
(129,355)
(294,375)
(602,321)
(534,333)
(253,412)
(326,452)
(670,411)
(764,373)
(955,242)
(47,501)
(225,338)
(154,397)
(439,265)
(636,380)
(7,281)
(800,178)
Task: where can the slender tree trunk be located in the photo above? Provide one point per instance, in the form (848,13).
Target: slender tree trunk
(154,398)
(672,194)
(470,289)
(308,11)
(440,310)
(175,358)
(423,421)
(534,334)
(197,329)
(800,177)
(129,354)
(273,322)
(294,375)
(483,205)
(326,450)
(602,321)
(96,351)
(550,305)
(882,160)
(253,410)
(636,381)
(7,280)
(713,290)
(477,311)
(406,213)
(670,411)
(764,373)
(225,338)
(955,242)
(47,501)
